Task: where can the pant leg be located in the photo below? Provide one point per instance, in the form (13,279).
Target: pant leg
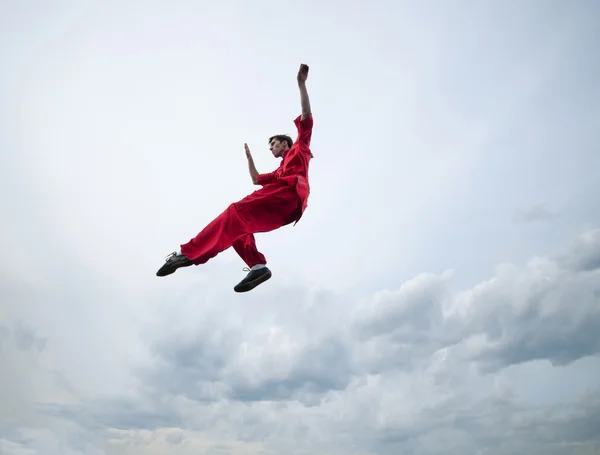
(245,247)
(264,210)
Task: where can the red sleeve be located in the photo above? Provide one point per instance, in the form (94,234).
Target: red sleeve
(264,179)
(305,128)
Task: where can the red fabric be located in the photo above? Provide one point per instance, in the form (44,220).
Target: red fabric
(293,170)
(264,210)
(281,201)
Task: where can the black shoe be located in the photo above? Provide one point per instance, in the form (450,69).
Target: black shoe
(174,261)
(253,279)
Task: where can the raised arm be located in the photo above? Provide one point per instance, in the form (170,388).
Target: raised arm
(304,99)
(257,177)
(251,167)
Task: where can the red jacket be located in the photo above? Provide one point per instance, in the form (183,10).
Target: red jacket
(293,169)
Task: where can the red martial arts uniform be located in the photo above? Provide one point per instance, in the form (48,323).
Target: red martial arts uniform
(281,201)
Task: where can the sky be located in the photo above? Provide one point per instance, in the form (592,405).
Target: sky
(440,294)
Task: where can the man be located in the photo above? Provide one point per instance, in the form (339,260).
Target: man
(281,201)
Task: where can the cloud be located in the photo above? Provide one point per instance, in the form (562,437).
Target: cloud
(412,370)
(546,310)
(535,213)
(584,254)
(13,448)
(102,115)
(68,439)
(23,337)
(214,361)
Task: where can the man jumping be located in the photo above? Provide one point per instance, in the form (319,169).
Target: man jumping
(281,201)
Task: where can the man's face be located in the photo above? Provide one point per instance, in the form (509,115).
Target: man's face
(277,147)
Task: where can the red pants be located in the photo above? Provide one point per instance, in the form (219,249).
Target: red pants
(264,210)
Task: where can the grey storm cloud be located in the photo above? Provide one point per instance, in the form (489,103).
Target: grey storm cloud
(495,426)
(120,413)
(549,310)
(544,310)
(390,331)
(394,368)
(318,369)
(535,213)
(204,369)
(176,438)
(23,337)
(584,254)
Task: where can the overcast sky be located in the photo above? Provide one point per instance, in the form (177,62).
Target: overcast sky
(440,294)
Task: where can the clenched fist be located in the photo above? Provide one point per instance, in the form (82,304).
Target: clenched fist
(303,73)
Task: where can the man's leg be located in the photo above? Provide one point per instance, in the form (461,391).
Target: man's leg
(258,272)
(216,237)
(245,247)
(206,245)
(262,211)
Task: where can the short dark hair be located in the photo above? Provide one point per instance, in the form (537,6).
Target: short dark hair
(283,138)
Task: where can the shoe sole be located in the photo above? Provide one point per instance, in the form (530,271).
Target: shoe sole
(252,284)
(164,271)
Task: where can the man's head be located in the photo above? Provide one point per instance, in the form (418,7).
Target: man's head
(279,144)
